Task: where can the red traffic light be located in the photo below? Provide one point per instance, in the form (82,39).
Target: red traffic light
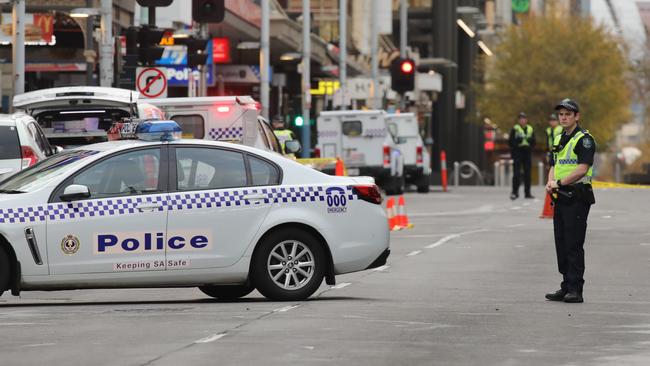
(406,67)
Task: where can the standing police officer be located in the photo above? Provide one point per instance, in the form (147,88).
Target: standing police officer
(522,142)
(553,129)
(283,134)
(570,177)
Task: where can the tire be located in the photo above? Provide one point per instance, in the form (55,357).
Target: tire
(279,278)
(5,271)
(423,183)
(400,185)
(227,292)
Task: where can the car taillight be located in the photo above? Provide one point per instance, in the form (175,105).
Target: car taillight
(223,109)
(29,157)
(418,155)
(368,193)
(386,155)
(317,152)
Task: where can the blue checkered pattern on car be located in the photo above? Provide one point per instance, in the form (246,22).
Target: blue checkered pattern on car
(374,132)
(176,202)
(228,133)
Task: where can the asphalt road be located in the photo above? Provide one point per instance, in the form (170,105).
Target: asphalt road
(465,286)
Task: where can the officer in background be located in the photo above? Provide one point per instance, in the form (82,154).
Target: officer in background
(283,134)
(522,142)
(570,178)
(553,129)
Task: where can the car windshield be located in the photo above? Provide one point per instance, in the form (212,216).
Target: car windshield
(44,171)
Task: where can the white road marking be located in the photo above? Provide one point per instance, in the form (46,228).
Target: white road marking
(415,252)
(607,217)
(39,345)
(285,309)
(21,324)
(382,268)
(479,210)
(525,204)
(417,236)
(645,244)
(452,236)
(211,338)
(308,347)
(340,286)
(515,225)
(515,208)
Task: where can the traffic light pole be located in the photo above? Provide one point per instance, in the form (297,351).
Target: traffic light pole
(18,46)
(106,46)
(374,62)
(203,69)
(306,85)
(343,50)
(403,19)
(265,58)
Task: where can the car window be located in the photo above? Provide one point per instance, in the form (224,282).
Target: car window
(273,140)
(41,142)
(352,128)
(263,134)
(206,168)
(193,125)
(263,172)
(45,170)
(132,173)
(9,144)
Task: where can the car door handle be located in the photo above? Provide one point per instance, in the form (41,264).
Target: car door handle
(148,206)
(255,197)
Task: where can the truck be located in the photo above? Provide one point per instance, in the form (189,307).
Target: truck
(366,143)
(417,160)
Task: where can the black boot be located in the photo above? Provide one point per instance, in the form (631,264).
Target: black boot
(573,297)
(557,295)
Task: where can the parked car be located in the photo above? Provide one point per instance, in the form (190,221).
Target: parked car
(22,143)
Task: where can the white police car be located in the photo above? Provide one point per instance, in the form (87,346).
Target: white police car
(160,212)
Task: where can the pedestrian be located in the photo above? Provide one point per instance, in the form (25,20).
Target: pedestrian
(570,178)
(553,129)
(522,142)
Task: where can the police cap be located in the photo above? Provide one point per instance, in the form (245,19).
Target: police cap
(569,104)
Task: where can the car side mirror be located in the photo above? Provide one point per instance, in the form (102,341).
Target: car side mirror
(292,147)
(75,192)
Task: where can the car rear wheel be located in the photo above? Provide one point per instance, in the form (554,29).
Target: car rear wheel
(289,265)
(4,271)
(227,292)
(423,183)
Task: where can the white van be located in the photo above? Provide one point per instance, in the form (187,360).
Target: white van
(365,142)
(417,160)
(79,115)
(231,119)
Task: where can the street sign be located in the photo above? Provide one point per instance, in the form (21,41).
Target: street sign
(151,82)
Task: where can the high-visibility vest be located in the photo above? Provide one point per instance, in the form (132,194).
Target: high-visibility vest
(566,160)
(551,133)
(524,136)
(283,136)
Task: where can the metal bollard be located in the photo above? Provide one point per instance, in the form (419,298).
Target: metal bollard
(540,173)
(502,173)
(456,173)
(496,173)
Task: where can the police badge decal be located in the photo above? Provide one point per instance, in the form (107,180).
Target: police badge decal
(70,244)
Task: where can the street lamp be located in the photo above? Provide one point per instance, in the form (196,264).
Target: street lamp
(84,12)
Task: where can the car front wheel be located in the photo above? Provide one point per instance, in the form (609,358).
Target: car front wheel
(289,265)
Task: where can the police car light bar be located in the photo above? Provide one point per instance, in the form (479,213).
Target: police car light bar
(158,131)
(146,130)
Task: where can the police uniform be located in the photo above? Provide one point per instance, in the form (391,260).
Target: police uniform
(283,136)
(551,133)
(571,209)
(522,142)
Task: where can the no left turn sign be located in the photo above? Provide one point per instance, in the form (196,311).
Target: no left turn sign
(151,82)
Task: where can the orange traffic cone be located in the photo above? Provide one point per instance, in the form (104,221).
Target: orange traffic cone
(340,168)
(402,218)
(547,212)
(390,211)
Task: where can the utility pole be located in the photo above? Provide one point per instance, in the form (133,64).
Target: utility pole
(374,62)
(306,85)
(343,50)
(265,58)
(18,46)
(203,69)
(403,29)
(106,46)
(90,53)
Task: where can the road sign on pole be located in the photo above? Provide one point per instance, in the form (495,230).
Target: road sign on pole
(151,82)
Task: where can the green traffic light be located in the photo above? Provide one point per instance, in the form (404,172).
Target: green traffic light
(298,121)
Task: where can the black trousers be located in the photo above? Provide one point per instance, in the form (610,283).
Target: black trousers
(519,161)
(570,227)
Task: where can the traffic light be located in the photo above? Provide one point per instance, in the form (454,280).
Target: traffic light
(298,121)
(130,59)
(208,11)
(196,51)
(402,73)
(156,3)
(148,39)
